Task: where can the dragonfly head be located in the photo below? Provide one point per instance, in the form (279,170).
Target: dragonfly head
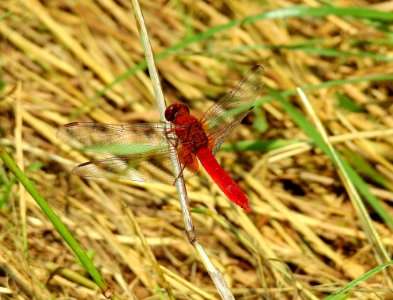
(174,110)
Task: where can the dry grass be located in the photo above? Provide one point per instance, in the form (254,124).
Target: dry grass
(68,60)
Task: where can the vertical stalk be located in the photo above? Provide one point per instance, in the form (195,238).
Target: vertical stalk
(214,273)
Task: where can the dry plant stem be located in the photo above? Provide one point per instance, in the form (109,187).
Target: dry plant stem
(159,95)
(370,231)
(20,162)
(215,274)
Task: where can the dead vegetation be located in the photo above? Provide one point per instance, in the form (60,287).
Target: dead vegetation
(64,61)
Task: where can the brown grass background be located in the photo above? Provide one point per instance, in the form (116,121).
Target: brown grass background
(58,56)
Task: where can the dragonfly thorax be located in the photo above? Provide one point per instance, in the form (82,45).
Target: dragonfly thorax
(188,129)
(191,135)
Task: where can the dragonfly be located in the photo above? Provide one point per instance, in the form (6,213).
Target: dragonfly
(142,152)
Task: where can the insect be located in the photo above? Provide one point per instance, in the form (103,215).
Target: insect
(141,152)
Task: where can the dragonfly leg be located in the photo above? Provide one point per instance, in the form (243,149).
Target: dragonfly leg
(174,142)
(180,173)
(188,161)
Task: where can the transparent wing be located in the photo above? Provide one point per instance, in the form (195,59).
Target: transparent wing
(142,151)
(141,168)
(116,139)
(222,117)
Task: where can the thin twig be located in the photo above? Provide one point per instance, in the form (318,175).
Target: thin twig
(214,273)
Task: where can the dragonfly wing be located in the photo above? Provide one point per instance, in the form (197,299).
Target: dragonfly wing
(223,116)
(219,136)
(142,151)
(140,168)
(116,139)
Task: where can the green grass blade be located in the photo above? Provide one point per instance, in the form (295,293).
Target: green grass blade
(323,11)
(59,225)
(310,47)
(339,294)
(365,168)
(7,189)
(260,146)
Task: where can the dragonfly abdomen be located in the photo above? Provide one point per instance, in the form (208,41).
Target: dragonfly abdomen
(226,184)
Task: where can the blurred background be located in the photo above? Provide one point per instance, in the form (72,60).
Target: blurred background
(307,236)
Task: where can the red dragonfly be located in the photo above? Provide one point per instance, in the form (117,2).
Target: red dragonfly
(142,151)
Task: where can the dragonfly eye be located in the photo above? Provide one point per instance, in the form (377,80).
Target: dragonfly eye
(174,109)
(170,112)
